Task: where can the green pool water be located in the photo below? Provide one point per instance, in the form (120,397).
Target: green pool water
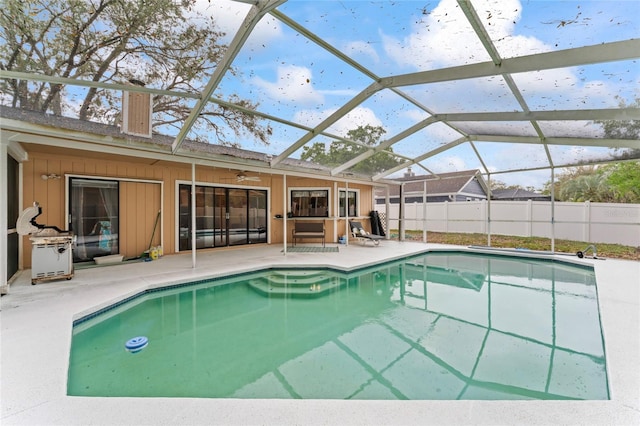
(439,326)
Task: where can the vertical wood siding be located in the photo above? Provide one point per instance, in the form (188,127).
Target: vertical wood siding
(139,206)
(140,201)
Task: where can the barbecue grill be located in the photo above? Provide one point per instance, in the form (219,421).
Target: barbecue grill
(52,248)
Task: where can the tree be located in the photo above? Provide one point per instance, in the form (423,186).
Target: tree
(593,187)
(564,179)
(613,183)
(500,185)
(623,129)
(339,152)
(624,180)
(117,41)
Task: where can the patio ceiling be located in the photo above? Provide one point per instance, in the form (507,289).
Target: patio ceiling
(501,86)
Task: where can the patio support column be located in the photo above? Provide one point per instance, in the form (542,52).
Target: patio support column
(4,223)
(387,206)
(401,214)
(553,208)
(489,210)
(424,211)
(285,213)
(336,210)
(193,215)
(346,209)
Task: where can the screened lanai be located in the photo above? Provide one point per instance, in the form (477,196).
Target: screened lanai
(518,89)
(499,86)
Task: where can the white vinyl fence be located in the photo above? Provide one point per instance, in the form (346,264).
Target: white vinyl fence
(588,222)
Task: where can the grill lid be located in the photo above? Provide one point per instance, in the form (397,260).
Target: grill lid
(25,224)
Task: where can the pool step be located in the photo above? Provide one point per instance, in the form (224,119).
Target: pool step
(307,285)
(298,280)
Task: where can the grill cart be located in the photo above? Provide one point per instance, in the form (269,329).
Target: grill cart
(52,248)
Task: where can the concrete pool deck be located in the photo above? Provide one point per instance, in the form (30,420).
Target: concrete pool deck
(36,337)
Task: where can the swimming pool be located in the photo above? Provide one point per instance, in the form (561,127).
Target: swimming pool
(438,326)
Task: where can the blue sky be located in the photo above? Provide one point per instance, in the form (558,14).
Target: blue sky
(295,79)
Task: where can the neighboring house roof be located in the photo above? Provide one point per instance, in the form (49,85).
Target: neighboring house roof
(517,194)
(443,183)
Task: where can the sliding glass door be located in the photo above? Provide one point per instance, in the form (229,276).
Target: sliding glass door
(95,217)
(220,217)
(224,216)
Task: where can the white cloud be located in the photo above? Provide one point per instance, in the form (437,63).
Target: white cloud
(534,178)
(361,48)
(310,117)
(358,117)
(439,40)
(229,15)
(293,84)
(447,164)
(339,92)
(415,115)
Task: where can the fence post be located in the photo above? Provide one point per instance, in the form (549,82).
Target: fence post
(424,212)
(553,211)
(529,218)
(587,221)
(401,216)
(489,210)
(446,216)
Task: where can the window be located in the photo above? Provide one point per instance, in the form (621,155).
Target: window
(310,202)
(351,200)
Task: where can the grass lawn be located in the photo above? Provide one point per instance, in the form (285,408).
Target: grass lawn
(616,251)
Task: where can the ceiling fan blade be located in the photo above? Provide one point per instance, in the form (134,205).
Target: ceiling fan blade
(241,177)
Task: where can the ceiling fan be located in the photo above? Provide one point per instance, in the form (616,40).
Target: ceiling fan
(242,176)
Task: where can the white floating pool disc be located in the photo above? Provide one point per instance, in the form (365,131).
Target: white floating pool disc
(136,344)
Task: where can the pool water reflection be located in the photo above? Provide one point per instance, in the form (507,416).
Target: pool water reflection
(438,326)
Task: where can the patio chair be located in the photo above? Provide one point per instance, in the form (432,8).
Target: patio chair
(359,233)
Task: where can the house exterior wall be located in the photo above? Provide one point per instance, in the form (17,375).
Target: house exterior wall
(474,187)
(148,185)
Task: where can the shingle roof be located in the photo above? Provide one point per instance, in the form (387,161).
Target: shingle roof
(157,142)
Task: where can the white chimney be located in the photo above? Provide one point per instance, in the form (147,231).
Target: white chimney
(136,112)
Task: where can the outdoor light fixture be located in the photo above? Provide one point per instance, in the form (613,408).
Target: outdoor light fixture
(50,176)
